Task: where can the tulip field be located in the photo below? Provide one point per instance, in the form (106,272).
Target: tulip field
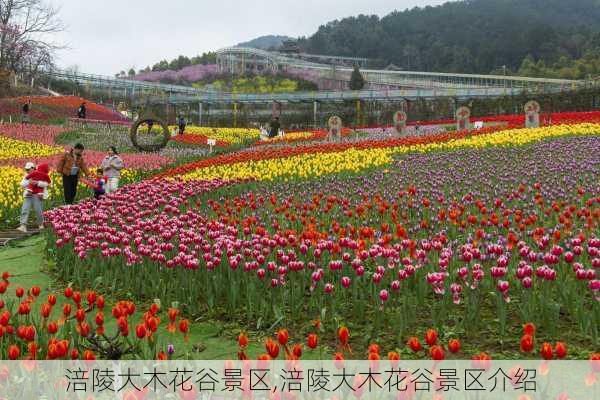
(443,245)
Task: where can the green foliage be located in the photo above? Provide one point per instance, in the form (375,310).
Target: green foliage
(182,62)
(258,84)
(357,82)
(564,68)
(475,36)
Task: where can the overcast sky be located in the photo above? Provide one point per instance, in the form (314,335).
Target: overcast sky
(107,36)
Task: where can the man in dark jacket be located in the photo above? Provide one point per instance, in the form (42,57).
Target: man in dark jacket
(181,123)
(275,125)
(81,112)
(71,166)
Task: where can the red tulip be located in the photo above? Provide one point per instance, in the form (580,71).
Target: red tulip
(19,292)
(100,302)
(454,345)
(13,352)
(560,350)
(88,355)
(74,354)
(527,343)
(140,331)
(91,298)
(68,292)
(184,326)
(431,337)
(374,348)
(52,328)
(312,341)
(35,291)
(393,356)
(99,318)
(51,299)
(84,329)
(546,351)
(529,329)
(242,340)
(343,335)
(172,314)
(80,314)
(77,297)
(414,344)
(437,352)
(297,350)
(282,336)
(272,348)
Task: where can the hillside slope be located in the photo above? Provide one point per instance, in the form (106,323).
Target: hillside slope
(477,36)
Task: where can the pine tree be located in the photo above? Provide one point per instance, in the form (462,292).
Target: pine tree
(357,82)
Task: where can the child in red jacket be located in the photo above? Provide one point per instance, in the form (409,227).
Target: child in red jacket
(40,174)
(35,183)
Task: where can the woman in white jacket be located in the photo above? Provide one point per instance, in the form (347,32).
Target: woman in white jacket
(112,166)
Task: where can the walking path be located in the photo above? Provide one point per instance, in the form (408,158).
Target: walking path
(10,235)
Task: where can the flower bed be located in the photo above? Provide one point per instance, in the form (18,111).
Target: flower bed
(61,107)
(223,136)
(497,233)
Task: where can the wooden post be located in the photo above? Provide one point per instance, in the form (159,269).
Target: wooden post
(235,115)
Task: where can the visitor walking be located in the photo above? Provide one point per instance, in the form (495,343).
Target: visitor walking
(82,112)
(71,166)
(25,119)
(181,123)
(112,165)
(35,185)
(275,125)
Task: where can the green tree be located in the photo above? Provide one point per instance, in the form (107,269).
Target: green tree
(357,82)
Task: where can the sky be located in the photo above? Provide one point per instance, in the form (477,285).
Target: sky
(107,36)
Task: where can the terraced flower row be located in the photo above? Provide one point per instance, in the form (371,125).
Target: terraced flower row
(317,161)
(223,135)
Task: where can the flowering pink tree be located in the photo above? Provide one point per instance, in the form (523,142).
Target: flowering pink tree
(26,29)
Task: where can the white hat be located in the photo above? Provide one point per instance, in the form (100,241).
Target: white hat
(29,165)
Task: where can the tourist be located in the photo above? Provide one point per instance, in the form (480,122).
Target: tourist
(25,119)
(181,123)
(112,165)
(275,125)
(35,185)
(71,166)
(81,112)
(150,124)
(100,184)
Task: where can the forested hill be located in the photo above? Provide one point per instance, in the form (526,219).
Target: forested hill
(539,37)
